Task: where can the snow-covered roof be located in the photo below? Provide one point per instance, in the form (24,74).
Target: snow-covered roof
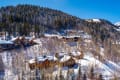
(65,58)
(41,59)
(87,40)
(38,41)
(51,58)
(32,61)
(71,36)
(14,38)
(29,38)
(5,42)
(53,35)
(21,37)
(76,53)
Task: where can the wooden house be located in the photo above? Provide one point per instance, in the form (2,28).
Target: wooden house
(43,63)
(5,45)
(46,62)
(23,41)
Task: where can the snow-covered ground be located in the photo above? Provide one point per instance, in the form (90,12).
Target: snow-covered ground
(117,29)
(94,20)
(107,68)
(117,23)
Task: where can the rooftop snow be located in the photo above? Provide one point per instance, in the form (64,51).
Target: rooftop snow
(32,61)
(29,38)
(65,58)
(13,39)
(5,42)
(41,59)
(76,53)
(38,41)
(72,36)
(53,35)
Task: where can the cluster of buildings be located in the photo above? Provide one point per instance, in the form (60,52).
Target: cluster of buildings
(57,60)
(16,43)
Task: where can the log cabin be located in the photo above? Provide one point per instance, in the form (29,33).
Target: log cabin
(42,65)
(23,41)
(46,63)
(5,45)
(43,62)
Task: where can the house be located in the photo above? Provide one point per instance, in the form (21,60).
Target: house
(43,62)
(5,45)
(59,60)
(23,41)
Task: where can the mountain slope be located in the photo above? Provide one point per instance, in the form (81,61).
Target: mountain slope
(28,18)
(117,23)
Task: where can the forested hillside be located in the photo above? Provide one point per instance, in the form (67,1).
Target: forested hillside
(28,18)
(38,43)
